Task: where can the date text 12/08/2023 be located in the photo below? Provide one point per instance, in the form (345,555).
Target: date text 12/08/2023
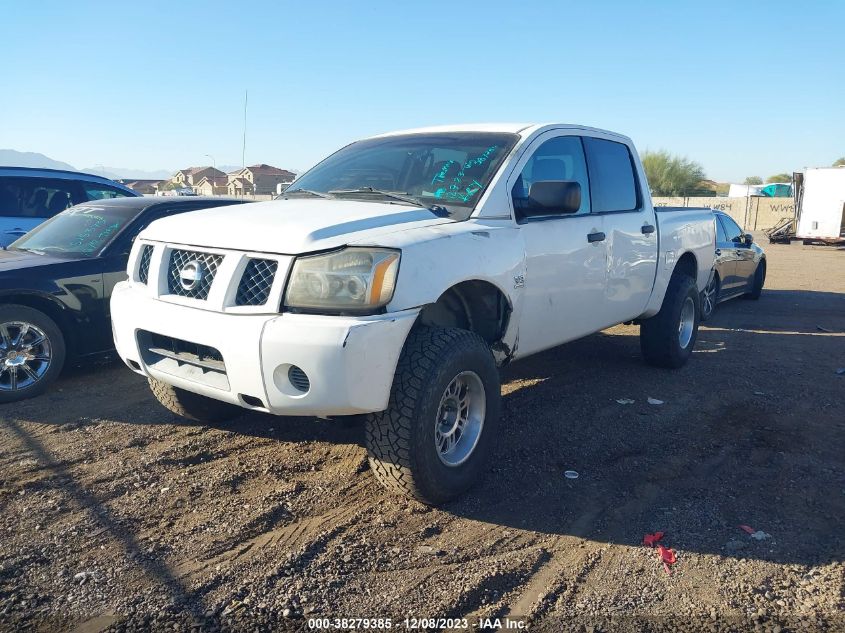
(412,623)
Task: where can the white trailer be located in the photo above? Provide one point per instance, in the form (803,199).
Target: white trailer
(821,205)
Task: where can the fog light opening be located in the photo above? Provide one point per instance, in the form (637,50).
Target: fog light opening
(299,379)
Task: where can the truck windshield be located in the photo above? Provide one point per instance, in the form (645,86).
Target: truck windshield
(81,231)
(447,171)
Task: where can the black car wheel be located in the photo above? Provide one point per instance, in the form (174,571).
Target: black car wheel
(32,352)
(710,298)
(759,280)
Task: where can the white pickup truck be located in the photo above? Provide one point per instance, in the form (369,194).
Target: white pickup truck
(396,276)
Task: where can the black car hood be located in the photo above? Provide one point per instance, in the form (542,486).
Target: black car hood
(19,260)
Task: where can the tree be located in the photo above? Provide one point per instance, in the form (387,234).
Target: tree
(670,175)
(753,180)
(784,177)
(839,162)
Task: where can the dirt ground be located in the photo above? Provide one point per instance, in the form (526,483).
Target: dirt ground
(115,515)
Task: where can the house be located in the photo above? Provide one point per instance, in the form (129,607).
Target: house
(191,176)
(259,179)
(144,187)
(239,186)
(213,186)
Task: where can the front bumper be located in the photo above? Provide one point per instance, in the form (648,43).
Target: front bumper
(349,361)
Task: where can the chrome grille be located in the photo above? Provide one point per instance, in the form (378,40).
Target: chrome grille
(257,280)
(198,287)
(144,265)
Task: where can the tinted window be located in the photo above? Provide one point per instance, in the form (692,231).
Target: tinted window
(720,231)
(613,185)
(82,231)
(734,233)
(36,197)
(560,158)
(102,192)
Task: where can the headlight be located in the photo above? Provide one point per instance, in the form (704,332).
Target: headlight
(351,279)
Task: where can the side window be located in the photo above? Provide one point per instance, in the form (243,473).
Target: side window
(560,158)
(614,186)
(721,236)
(36,197)
(101,192)
(732,229)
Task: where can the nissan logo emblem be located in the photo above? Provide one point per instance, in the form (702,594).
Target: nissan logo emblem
(191,275)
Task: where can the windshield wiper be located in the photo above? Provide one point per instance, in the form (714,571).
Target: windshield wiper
(317,194)
(436,209)
(403,197)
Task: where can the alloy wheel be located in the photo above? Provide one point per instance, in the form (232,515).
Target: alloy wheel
(460,418)
(25,355)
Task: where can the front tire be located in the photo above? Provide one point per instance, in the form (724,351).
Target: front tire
(32,352)
(437,435)
(759,280)
(709,298)
(191,405)
(667,338)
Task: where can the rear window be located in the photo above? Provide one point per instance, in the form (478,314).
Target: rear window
(612,182)
(37,197)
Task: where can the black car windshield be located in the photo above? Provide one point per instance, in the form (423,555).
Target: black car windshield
(81,231)
(449,170)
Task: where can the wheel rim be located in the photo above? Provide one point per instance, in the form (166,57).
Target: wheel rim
(25,355)
(460,419)
(708,299)
(686,322)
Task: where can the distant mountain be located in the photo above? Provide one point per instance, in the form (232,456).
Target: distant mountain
(14,158)
(127,173)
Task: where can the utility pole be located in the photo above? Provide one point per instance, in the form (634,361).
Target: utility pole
(243,150)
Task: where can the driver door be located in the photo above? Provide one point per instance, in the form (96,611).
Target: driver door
(565,253)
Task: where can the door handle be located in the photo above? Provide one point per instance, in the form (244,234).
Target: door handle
(648,229)
(595,237)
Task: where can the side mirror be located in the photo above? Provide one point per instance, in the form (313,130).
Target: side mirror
(547,197)
(749,239)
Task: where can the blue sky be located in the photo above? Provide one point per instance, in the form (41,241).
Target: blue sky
(745,88)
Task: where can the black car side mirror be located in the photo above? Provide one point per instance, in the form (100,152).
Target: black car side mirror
(749,239)
(547,197)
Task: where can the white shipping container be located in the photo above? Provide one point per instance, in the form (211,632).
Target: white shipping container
(823,204)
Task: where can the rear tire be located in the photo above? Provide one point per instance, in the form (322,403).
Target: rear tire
(32,352)
(667,338)
(191,405)
(437,435)
(759,280)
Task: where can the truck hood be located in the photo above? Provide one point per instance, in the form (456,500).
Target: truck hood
(290,227)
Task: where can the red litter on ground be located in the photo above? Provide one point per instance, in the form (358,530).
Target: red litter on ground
(747,529)
(667,556)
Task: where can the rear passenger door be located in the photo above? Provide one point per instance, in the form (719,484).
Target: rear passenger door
(27,202)
(629,227)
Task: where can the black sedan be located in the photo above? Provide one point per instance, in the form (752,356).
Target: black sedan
(740,269)
(56,281)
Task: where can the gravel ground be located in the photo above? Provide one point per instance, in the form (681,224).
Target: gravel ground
(115,515)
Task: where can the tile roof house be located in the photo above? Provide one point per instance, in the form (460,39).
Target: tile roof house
(192,175)
(214,186)
(144,187)
(239,186)
(260,179)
